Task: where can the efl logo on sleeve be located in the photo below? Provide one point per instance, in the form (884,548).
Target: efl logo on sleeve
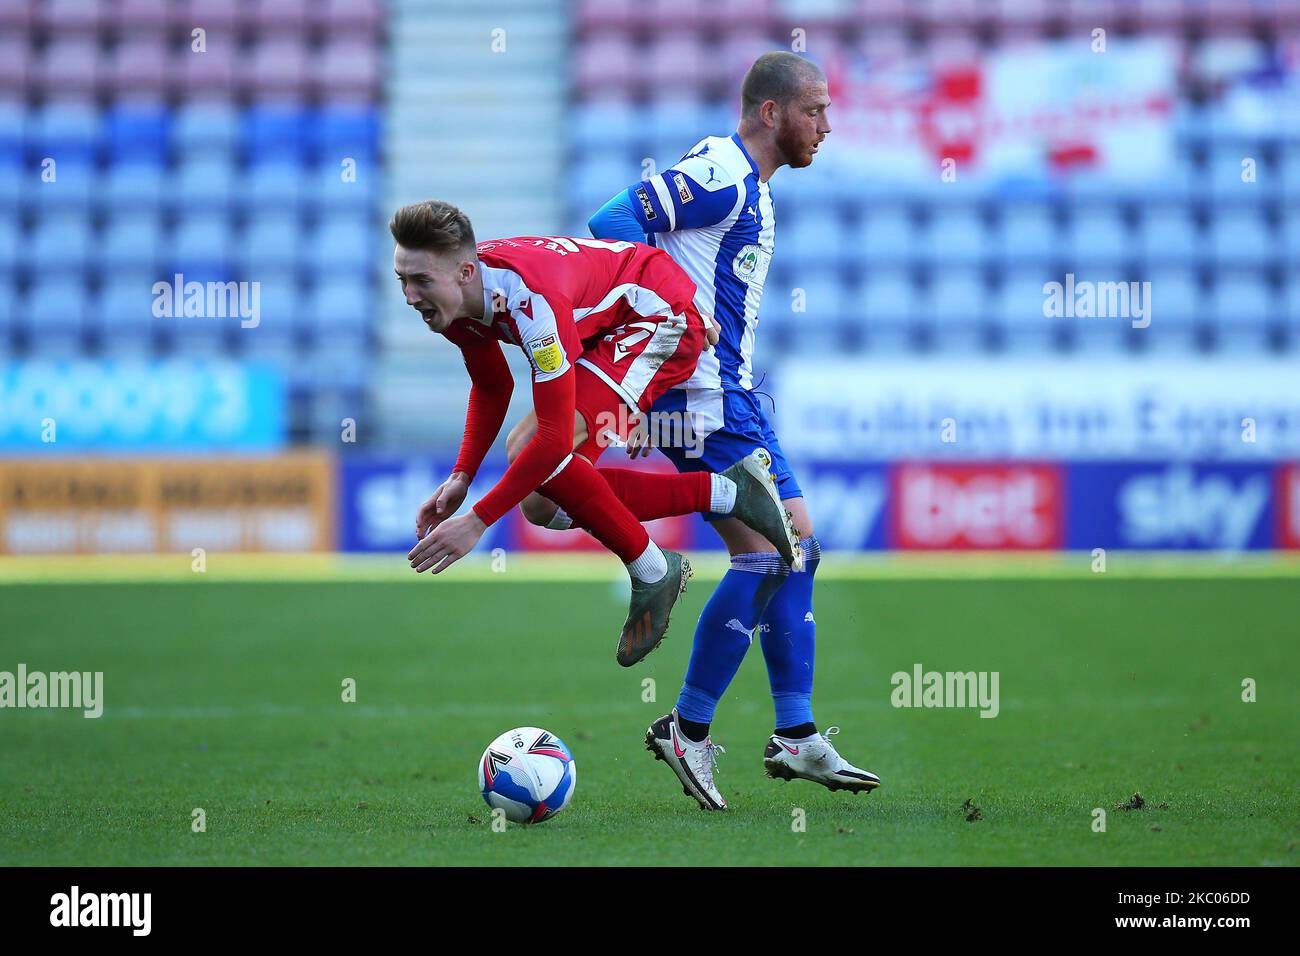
(546,353)
(683,191)
(646,205)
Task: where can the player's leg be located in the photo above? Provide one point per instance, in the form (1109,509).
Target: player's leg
(788,637)
(744,489)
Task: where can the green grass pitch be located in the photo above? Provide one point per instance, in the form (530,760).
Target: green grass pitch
(225,695)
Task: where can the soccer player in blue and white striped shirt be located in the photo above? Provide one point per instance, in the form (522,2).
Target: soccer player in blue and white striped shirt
(713,213)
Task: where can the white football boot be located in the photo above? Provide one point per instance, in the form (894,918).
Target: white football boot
(693,763)
(815,758)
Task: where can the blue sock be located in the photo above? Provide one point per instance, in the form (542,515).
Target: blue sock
(788,635)
(725,631)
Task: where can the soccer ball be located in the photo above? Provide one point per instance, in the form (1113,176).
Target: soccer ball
(528,773)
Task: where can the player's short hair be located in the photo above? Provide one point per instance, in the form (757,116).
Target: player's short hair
(432,225)
(779,76)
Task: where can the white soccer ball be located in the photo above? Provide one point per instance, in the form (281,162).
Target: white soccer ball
(528,773)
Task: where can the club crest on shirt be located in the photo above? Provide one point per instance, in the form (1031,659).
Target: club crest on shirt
(546,353)
(746,262)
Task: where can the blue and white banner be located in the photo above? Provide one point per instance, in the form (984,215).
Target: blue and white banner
(172,406)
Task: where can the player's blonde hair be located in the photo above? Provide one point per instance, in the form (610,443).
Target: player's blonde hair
(432,225)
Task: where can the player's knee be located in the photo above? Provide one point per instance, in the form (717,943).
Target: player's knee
(538,510)
(517,440)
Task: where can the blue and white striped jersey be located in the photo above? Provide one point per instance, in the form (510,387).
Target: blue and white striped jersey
(710,212)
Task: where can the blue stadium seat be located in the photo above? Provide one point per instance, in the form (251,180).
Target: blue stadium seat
(274,185)
(1028,234)
(126,301)
(201,244)
(341,242)
(66,130)
(1290,172)
(1291,306)
(135,185)
(1098,238)
(1178,307)
(888,298)
(955,236)
(1244,306)
(340,131)
(131,240)
(11,240)
(604,124)
(330,193)
(276,130)
(1241,237)
(59,244)
(1168,234)
(71,187)
(280,302)
(954,307)
(271,241)
(595,180)
(886,236)
(54,315)
(9,305)
(14,181)
(1016,308)
(339,306)
(203,183)
(206,126)
(138,130)
(1225,172)
(13,132)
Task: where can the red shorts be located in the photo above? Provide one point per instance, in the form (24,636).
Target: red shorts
(626,371)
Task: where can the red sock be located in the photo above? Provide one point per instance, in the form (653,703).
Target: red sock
(593,506)
(649,496)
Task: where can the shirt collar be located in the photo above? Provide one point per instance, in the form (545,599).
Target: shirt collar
(735,137)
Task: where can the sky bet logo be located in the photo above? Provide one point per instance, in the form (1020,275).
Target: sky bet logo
(102,909)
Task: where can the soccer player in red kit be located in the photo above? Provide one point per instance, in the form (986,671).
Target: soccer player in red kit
(606,327)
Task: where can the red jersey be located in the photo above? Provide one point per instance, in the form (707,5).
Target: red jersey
(553,297)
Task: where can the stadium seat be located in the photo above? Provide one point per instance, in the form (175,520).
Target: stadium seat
(203,184)
(886,236)
(1241,237)
(331,193)
(59,244)
(67,130)
(274,131)
(208,74)
(273,186)
(1168,234)
(200,244)
(137,65)
(70,65)
(206,126)
(273,240)
(274,67)
(1098,238)
(54,316)
(1244,307)
(16,65)
(138,130)
(133,185)
(1028,234)
(954,308)
(131,241)
(347,66)
(954,237)
(340,242)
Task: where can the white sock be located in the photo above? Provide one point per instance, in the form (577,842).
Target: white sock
(722,494)
(561,521)
(650,567)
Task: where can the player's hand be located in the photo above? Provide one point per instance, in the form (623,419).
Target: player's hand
(638,440)
(712,331)
(448,543)
(442,504)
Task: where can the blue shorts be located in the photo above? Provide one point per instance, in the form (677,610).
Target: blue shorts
(726,424)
